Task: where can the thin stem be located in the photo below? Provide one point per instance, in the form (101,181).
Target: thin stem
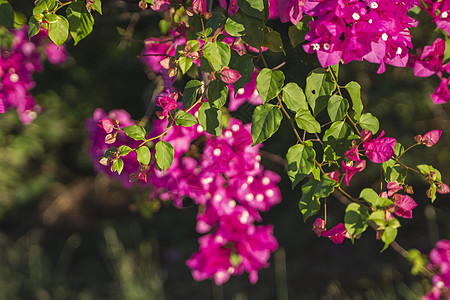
(406,167)
(407,149)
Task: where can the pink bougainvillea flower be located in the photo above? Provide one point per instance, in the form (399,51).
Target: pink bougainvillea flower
(319,226)
(432,137)
(107,125)
(337,234)
(2,106)
(404,205)
(167,103)
(393,187)
(199,6)
(380,149)
(442,188)
(430,60)
(290,10)
(351,168)
(442,93)
(334,175)
(160,5)
(365,135)
(353,154)
(229,76)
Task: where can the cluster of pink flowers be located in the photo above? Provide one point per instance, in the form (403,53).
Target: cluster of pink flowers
(337,234)
(377,150)
(348,30)
(440,261)
(223,176)
(17,65)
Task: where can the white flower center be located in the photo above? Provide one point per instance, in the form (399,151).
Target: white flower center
(265,180)
(217,197)
(326,46)
(399,51)
(244,217)
(207,180)
(270,193)
(316,46)
(217,152)
(235,127)
(249,179)
(370,21)
(444,15)
(258,157)
(232,204)
(374,5)
(259,197)
(14,77)
(384,37)
(355,16)
(241,91)
(218,239)
(249,197)
(199,129)
(231,270)
(228,134)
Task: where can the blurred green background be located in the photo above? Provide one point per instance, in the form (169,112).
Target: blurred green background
(69,233)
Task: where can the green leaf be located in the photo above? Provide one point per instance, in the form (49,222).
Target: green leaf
(164,155)
(51,18)
(190,93)
(300,162)
(431,172)
(244,65)
(273,41)
(218,54)
(312,192)
(19,19)
(110,151)
(6,14)
(217,93)
(306,121)
(293,97)
(185,119)
(418,260)
(234,26)
(318,83)
(375,201)
(356,219)
(269,84)
(135,132)
(354,90)
(388,237)
(143,155)
(254,31)
(210,118)
(33,27)
(43,6)
(337,108)
(81,21)
(185,63)
(369,122)
(379,217)
(124,150)
(118,165)
(393,171)
(59,30)
(254,8)
(447,51)
(265,122)
(97,6)
(339,136)
(214,22)
(297,33)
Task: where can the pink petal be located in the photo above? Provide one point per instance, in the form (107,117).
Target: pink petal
(442,188)
(229,76)
(319,226)
(432,137)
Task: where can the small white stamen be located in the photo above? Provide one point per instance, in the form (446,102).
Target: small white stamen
(255,93)
(355,16)
(316,46)
(384,37)
(235,127)
(232,203)
(326,46)
(218,239)
(266,180)
(14,77)
(399,51)
(231,270)
(260,197)
(207,180)
(374,5)
(370,21)
(244,217)
(249,197)
(196,114)
(217,152)
(258,157)
(444,15)
(228,134)
(249,179)
(270,193)
(257,165)
(199,129)
(440,284)
(217,197)
(241,91)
